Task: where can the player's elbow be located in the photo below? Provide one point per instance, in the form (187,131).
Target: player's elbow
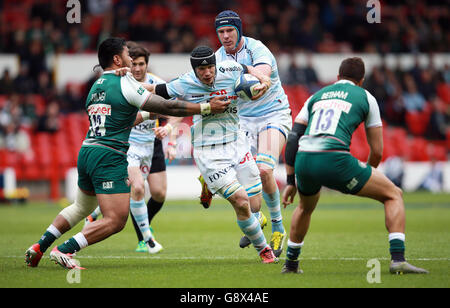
(377,155)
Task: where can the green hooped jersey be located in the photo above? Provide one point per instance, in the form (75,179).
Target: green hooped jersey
(112,106)
(333,113)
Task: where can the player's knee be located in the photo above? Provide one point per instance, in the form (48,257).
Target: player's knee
(393,193)
(242,206)
(138,191)
(81,208)
(159,194)
(398,193)
(265,173)
(117,223)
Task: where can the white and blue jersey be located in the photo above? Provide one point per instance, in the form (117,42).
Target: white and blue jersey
(213,128)
(253,53)
(143,132)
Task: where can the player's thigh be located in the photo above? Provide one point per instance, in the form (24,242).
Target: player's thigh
(216,165)
(247,173)
(105,171)
(136,179)
(271,142)
(379,187)
(115,206)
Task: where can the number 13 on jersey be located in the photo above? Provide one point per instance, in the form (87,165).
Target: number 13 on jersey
(327,115)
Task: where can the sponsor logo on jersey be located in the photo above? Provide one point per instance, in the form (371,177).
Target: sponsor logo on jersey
(335,104)
(145,126)
(230,69)
(99,109)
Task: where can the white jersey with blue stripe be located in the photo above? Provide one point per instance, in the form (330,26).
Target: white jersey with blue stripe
(143,132)
(213,128)
(253,53)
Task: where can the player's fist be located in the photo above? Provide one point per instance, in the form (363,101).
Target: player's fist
(288,195)
(219,104)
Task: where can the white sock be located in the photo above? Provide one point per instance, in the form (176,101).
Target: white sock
(53,230)
(81,240)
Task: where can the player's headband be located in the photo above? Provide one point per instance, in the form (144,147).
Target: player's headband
(202,55)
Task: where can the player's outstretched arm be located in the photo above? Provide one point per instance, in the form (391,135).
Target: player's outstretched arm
(179,108)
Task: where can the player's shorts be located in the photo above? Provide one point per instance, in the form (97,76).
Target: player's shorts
(253,126)
(102,170)
(141,155)
(223,164)
(336,170)
(158,160)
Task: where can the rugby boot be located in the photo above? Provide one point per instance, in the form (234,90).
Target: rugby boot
(33,255)
(64,259)
(206,195)
(141,247)
(153,246)
(277,242)
(404,267)
(267,256)
(291,267)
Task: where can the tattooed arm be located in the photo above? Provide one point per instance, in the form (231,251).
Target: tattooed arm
(179,108)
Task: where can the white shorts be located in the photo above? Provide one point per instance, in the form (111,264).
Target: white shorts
(141,155)
(253,126)
(221,165)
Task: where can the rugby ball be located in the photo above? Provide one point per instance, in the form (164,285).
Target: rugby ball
(244,86)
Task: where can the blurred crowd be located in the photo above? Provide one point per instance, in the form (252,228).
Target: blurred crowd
(37,29)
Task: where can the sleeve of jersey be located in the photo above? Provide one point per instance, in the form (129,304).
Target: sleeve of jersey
(176,88)
(303,115)
(373,117)
(133,91)
(261,55)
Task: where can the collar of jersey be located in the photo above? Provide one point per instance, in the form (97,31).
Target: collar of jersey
(345,81)
(242,48)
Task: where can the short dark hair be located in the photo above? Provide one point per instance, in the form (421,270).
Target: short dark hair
(352,68)
(139,51)
(108,49)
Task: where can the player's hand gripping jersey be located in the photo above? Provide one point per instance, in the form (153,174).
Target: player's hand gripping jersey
(333,114)
(253,53)
(143,132)
(213,128)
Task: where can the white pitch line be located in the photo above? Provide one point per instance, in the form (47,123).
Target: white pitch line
(149,257)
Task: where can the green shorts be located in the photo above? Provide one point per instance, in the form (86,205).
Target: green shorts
(336,170)
(102,170)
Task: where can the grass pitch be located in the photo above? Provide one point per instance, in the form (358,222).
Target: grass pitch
(201,248)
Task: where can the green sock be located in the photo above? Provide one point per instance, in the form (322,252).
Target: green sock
(46,240)
(69,246)
(293,250)
(397,250)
